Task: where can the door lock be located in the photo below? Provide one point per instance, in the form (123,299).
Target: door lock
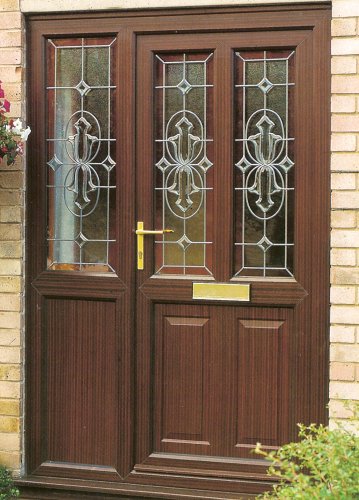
(141,232)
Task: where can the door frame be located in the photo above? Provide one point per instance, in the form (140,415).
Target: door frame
(127,25)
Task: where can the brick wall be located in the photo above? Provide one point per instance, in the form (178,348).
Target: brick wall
(344,334)
(345,218)
(11,202)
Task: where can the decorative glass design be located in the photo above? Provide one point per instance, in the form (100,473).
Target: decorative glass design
(183,163)
(264,162)
(81,154)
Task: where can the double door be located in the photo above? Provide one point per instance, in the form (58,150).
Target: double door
(178,267)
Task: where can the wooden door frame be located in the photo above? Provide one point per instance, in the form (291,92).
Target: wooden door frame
(127,25)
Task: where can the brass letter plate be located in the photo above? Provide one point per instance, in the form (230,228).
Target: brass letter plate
(222,291)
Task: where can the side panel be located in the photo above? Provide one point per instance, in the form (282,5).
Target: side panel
(82,381)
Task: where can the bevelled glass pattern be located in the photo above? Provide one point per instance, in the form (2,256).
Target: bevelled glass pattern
(183,163)
(264,163)
(80,154)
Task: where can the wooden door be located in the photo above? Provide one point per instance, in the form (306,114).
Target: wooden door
(156,374)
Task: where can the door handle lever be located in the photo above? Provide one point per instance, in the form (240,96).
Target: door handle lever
(141,232)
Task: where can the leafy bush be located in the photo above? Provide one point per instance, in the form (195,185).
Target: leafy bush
(7,488)
(323,464)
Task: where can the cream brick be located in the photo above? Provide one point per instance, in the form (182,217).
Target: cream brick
(9,407)
(12,267)
(342,371)
(342,334)
(10,197)
(9,319)
(10,249)
(10,38)
(344,353)
(10,214)
(10,20)
(10,459)
(9,337)
(345,162)
(343,239)
(11,73)
(10,232)
(9,302)
(343,181)
(343,65)
(345,46)
(343,142)
(9,441)
(9,424)
(10,56)
(344,390)
(9,354)
(343,104)
(10,372)
(9,284)
(16,109)
(10,390)
(343,257)
(9,5)
(344,425)
(337,409)
(345,199)
(13,92)
(345,8)
(339,219)
(344,276)
(345,123)
(11,180)
(357,372)
(343,294)
(348,84)
(344,26)
(346,315)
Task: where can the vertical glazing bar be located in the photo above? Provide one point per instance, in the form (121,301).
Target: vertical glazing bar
(184,114)
(244,146)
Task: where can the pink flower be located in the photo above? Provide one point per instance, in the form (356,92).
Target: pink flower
(6,105)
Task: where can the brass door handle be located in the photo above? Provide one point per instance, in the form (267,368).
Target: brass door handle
(140,246)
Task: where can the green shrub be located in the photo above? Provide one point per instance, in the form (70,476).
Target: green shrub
(323,464)
(7,488)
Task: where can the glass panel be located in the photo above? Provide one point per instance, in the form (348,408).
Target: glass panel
(183,163)
(81,152)
(264,163)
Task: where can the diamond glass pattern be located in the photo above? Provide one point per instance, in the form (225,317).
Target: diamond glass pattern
(183,163)
(81,151)
(263,164)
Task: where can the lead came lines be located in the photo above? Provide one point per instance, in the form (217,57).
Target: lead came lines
(184,162)
(265,165)
(76,171)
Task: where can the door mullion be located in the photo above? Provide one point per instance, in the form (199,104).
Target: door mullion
(223,161)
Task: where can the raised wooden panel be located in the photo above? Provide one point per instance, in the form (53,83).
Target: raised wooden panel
(81,382)
(258,374)
(261,377)
(182,383)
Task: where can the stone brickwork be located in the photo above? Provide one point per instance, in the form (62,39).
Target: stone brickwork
(344,333)
(11,244)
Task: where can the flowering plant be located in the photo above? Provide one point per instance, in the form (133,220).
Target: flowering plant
(12,133)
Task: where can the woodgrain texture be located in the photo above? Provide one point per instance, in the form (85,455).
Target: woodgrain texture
(176,392)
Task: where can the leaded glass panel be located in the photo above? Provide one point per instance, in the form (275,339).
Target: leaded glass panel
(264,163)
(183,163)
(81,154)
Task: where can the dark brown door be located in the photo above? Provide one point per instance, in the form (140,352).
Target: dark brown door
(154,370)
